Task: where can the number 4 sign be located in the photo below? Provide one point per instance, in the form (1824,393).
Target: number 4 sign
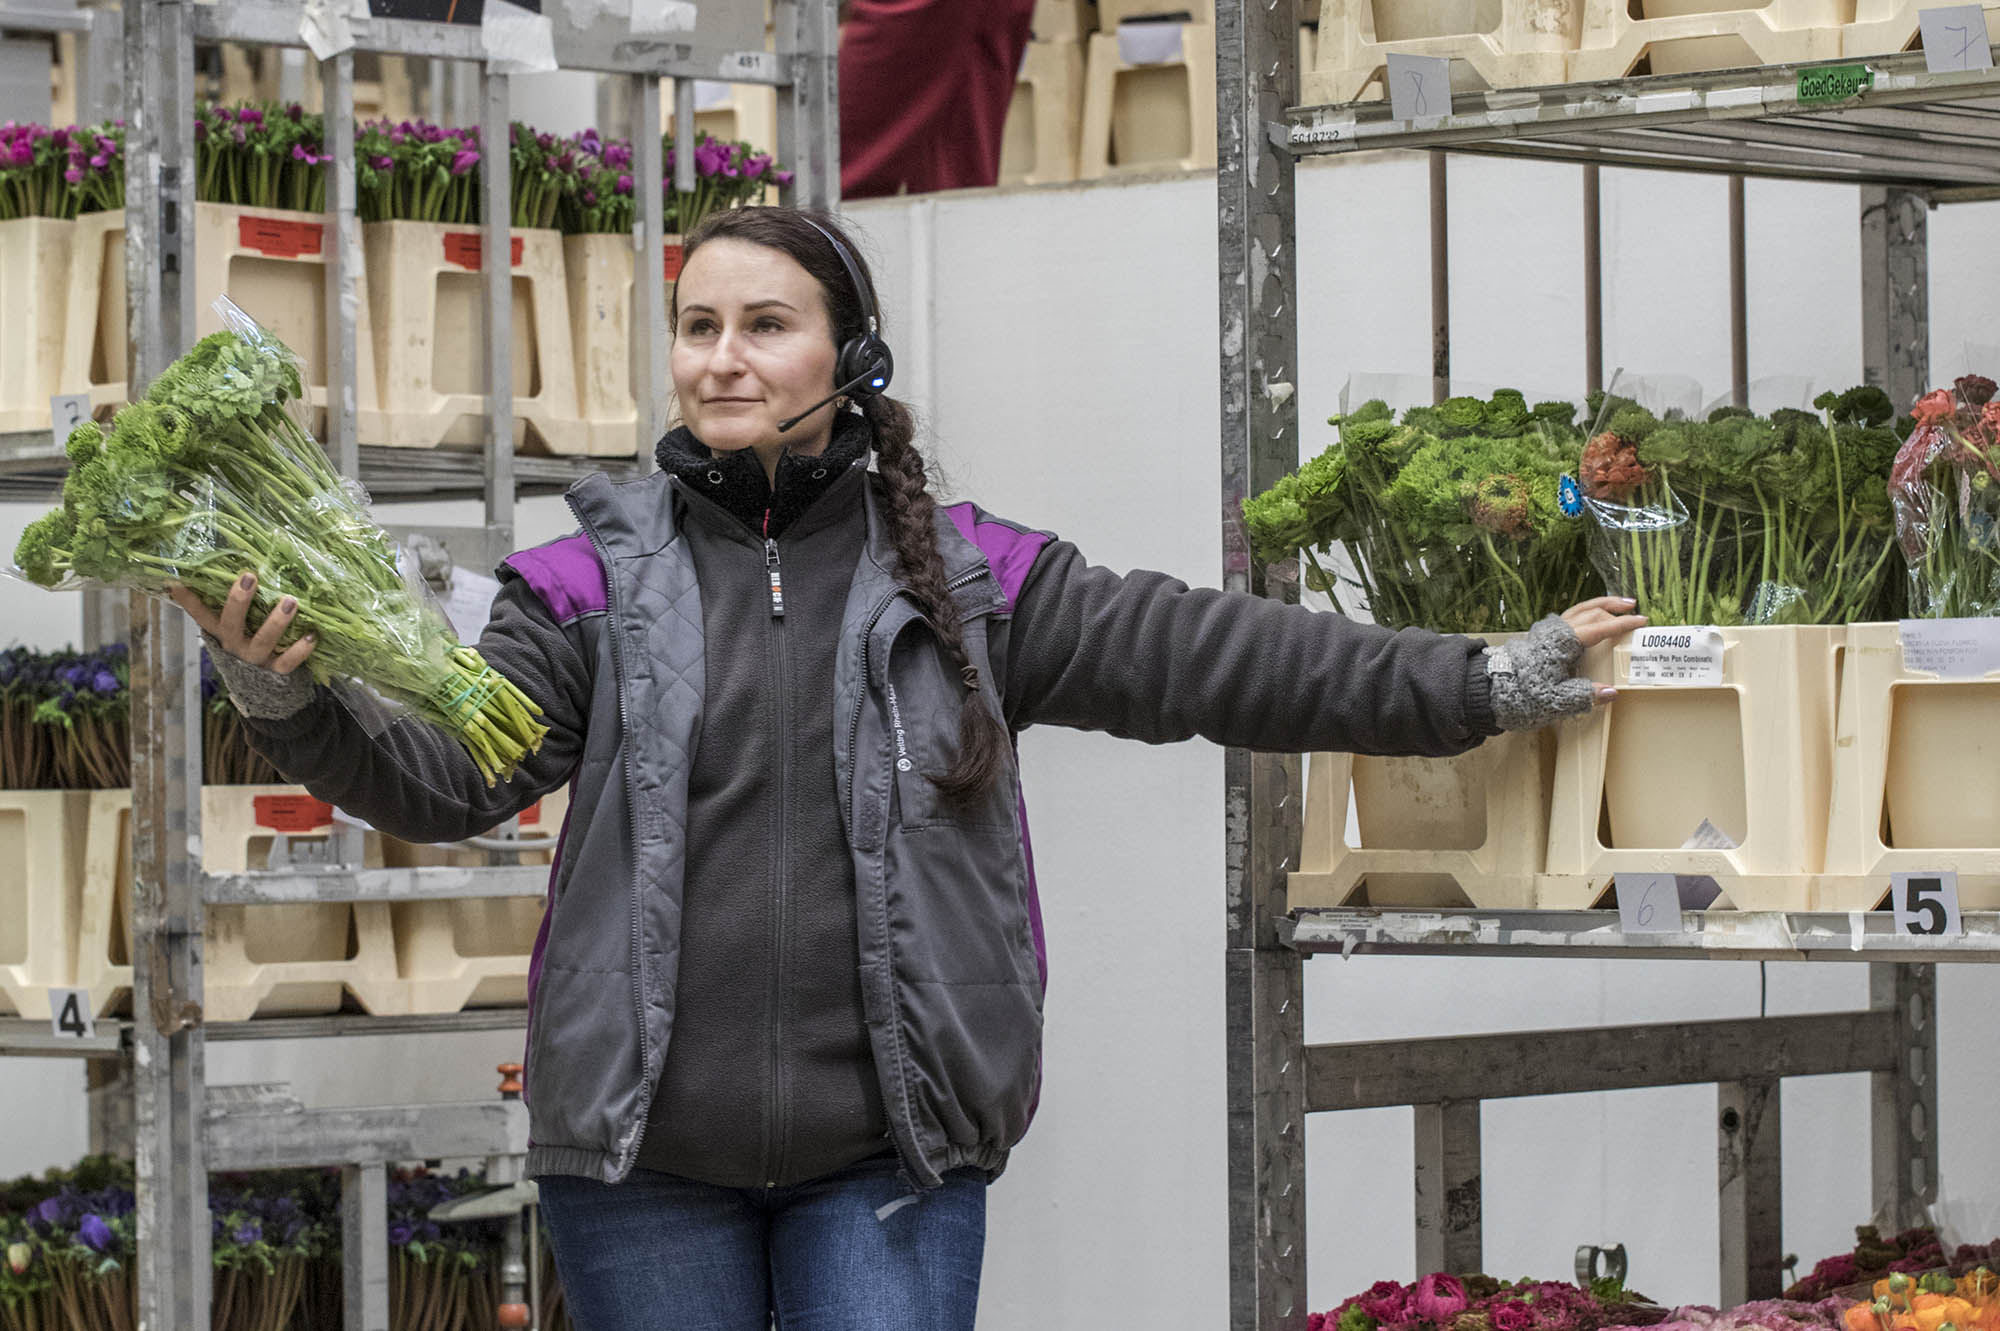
(1926,904)
(70,1015)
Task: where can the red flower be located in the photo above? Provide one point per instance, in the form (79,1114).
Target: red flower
(1610,468)
(1933,407)
(1974,390)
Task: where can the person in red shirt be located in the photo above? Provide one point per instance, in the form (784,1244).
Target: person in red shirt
(924,88)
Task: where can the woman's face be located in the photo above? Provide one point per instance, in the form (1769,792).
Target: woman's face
(752,347)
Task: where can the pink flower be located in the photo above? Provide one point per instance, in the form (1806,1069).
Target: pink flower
(1438,1298)
(73,176)
(782,177)
(466,159)
(1509,1316)
(383,162)
(624,185)
(756,166)
(294,112)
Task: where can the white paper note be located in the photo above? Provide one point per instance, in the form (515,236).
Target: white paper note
(1419,86)
(655,16)
(1149,43)
(1675,655)
(517,40)
(1955,38)
(1951,648)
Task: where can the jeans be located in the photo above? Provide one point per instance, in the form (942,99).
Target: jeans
(852,1251)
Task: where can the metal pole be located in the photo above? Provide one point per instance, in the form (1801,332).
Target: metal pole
(343,268)
(167,914)
(1750,1191)
(649,292)
(364,1244)
(1895,292)
(1739,299)
(497,270)
(808,107)
(1448,1187)
(1593,283)
(1440,280)
(515,1308)
(1903,1110)
(1256,79)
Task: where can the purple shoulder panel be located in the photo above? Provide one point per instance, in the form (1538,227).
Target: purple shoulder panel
(565,574)
(1009,551)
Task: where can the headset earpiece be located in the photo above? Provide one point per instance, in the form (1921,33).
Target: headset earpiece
(866,358)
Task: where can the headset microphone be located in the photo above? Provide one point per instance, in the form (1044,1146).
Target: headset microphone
(871,373)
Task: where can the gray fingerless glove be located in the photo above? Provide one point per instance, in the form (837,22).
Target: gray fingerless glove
(1532,680)
(259,692)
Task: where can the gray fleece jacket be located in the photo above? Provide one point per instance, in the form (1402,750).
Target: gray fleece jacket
(771,950)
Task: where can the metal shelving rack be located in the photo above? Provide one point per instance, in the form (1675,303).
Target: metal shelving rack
(181,1130)
(1911,139)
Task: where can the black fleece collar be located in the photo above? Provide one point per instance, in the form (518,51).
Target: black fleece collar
(735,480)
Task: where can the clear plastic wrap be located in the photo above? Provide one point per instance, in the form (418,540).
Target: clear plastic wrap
(214,473)
(1945,490)
(1739,518)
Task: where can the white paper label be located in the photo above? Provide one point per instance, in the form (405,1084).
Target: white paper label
(657,16)
(66,412)
(1952,648)
(1955,38)
(70,1016)
(1648,903)
(470,603)
(711,94)
(1419,86)
(1926,904)
(1149,43)
(1675,656)
(517,40)
(749,65)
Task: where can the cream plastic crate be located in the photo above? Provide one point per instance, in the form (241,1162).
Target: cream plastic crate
(257,960)
(1686,36)
(34,290)
(94,342)
(1753,756)
(424,284)
(41,878)
(1916,778)
(1155,117)
(598,273)
(454,955)
(1883,27)
(1111,13)
(1491,43)
(1063,20)
(270,261)
(1465,831)
(1045,119)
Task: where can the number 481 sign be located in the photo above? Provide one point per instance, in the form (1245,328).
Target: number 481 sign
(1926,904)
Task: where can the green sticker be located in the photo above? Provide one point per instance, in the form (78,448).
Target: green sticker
(1834,83)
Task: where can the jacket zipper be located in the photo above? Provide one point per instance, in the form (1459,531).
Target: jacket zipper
(631,1153)
(774,1160)
(908,1173)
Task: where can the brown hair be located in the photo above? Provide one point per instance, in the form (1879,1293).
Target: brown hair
(982,738)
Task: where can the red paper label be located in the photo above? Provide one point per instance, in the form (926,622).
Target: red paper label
(673,262)
(464,249)
(292,813)
(533,813)
(278,237)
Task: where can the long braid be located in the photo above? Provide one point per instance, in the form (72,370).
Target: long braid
(982,738)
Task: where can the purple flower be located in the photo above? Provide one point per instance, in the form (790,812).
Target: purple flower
(249,1232)
(782,177)
(466,159)
(238,134)
(756,166)
(294,112)
(1438,1298)
(48,1212)
(104,683)
(96,1235)
(250,115)
(617,155)
(60,138)
(101,161)
(200,129)
(401,1233)
(589,197)
(383,162)
(73,176)
(624,185)
(710,157)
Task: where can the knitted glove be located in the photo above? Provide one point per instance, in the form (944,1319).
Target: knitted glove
(1531,679)
(259,692)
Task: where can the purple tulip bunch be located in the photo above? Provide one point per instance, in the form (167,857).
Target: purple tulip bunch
(95,169)
(417,172)
(262,156)
(34,160)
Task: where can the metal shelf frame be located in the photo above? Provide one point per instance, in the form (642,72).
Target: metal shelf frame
(180,1127)
(1910,140)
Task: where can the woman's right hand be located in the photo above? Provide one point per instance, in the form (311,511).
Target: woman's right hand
(229,629)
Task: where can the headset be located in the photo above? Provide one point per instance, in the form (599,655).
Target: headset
(864,364)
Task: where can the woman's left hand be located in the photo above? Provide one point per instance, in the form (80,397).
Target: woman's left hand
(1602,618)
(1530,675)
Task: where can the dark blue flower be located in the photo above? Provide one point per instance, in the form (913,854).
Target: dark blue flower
(400,1234)
(104,683)
(248,1231)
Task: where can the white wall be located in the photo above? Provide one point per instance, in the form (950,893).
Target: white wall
(1061,344)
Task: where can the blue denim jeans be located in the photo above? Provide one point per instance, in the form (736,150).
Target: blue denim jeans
(853,1251)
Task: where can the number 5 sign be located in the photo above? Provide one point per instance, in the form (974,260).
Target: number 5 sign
(1926,904)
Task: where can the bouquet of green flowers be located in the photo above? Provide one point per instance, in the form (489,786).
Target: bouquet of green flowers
(1450,520)
(211,475)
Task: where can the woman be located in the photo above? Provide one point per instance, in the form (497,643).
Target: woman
(785,1012)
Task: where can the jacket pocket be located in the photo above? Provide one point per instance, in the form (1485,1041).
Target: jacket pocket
(925,698)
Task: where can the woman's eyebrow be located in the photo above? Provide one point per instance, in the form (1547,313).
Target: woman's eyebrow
(753,305)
